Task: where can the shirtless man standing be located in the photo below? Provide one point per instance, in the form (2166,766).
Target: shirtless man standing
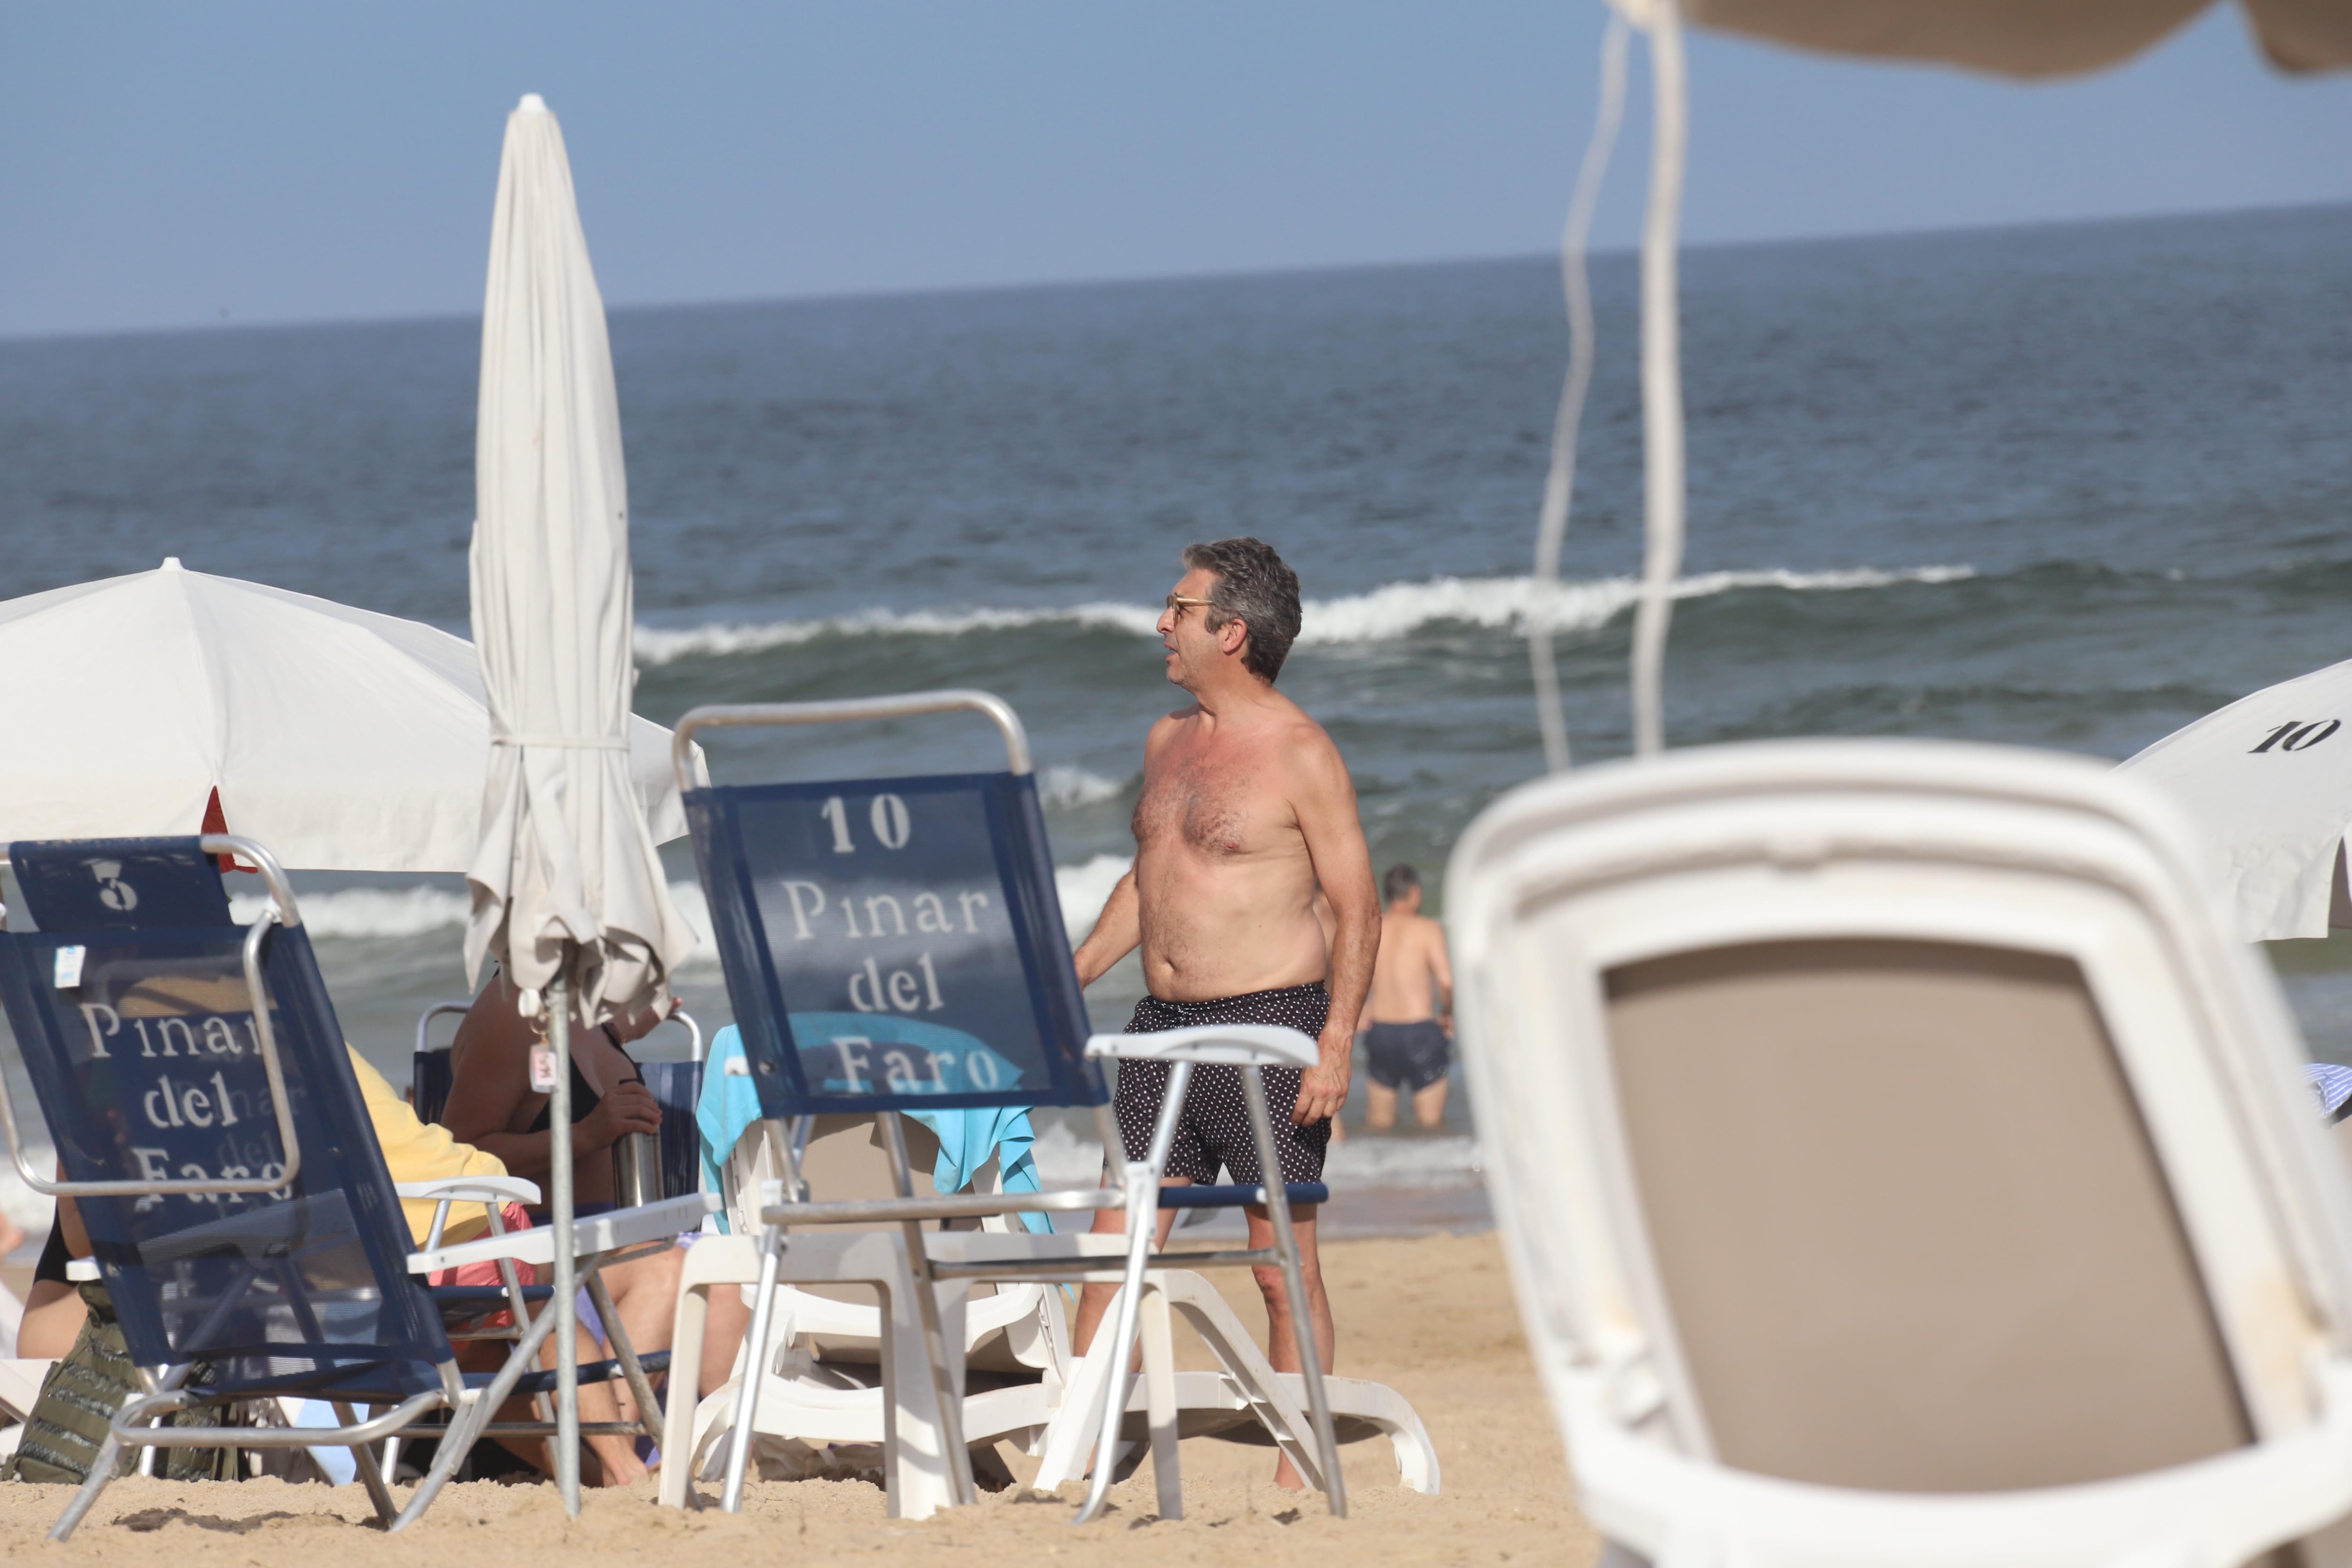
(1407,1045)
(1246,810)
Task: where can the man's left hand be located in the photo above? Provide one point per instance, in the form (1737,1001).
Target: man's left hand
(1323,1088)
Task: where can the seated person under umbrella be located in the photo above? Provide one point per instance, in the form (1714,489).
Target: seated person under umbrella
(493,1108)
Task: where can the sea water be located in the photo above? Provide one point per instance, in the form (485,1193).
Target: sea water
(2066,486)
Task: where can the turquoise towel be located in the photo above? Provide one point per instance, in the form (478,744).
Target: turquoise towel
(967,1138)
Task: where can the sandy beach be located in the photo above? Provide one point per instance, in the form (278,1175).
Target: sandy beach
(1430,1316)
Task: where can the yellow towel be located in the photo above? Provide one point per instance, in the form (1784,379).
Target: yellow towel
(418,1151)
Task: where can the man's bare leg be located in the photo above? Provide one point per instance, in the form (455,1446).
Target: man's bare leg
(1381,1107)
(1429,1104)
(644,1296)
(1282,1340)
(1094,1300)
(616,1456)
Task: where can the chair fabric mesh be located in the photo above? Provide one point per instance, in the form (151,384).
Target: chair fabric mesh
(893,942)
(150,1069)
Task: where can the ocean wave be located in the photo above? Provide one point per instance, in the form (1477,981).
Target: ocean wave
(1084,888)
(1407,1161)
(1392,611)
(1065,785)
(367,912)
(662,645)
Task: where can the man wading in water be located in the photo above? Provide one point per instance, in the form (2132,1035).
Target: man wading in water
(1246,810)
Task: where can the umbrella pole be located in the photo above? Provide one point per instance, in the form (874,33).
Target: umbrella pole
(559,1183)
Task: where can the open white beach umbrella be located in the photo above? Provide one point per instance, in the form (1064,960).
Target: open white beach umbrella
(2269,780)
(344,739)
(567,873)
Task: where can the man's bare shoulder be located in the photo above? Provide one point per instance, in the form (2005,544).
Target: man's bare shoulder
(1307,751)
(1165,728)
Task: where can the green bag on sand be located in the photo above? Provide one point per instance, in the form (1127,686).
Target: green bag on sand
(81,1394)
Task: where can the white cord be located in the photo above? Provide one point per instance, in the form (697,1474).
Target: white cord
(1560,485)
(1662,392)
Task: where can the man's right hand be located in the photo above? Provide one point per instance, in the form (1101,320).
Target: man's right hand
(630,1107)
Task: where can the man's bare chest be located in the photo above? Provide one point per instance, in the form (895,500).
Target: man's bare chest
(1221,808)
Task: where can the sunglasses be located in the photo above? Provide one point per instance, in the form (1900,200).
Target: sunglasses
(1180,604)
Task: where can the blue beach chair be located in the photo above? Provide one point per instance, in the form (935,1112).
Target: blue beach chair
(199,1092)
(897,944)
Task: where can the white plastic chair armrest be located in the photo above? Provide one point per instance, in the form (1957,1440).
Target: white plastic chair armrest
(1230,1044)
(598,1233)
(472,1190)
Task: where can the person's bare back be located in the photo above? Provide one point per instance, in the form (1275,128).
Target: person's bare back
(1409,1016)
(1409,970)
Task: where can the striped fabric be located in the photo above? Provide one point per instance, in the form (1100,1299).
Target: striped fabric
(2333,1087)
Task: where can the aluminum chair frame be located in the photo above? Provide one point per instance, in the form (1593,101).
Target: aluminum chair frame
(1565,879)
(601,1240)
(1246,1047)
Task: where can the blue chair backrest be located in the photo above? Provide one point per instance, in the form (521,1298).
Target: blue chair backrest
(890,943)
(150,1068)
(430,1079)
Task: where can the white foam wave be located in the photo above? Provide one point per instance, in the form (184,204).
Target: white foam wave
(1394,610)
(1066,786)
(1392,1163)
(661,646)
(1085,889)
(369,912)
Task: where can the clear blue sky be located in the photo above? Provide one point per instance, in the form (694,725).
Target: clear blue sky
(165,162)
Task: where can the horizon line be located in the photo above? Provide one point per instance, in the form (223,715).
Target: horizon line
(1146,279)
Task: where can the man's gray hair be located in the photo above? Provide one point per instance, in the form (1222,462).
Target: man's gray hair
(1255,587)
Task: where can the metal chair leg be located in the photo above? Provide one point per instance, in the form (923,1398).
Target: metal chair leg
(641,1387)
(371,1475)
(468,1418)
(1286,1243)
(102,1474)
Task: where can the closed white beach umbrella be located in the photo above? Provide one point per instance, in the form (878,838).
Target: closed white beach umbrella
(344,739)
(2269,780)
(567,873)
(568,889)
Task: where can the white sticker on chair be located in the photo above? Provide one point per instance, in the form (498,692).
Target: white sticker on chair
(68,971)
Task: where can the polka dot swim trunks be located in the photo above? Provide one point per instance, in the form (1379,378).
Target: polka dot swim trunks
(1214,1128)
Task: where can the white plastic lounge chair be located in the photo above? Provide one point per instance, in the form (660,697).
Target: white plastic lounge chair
(825,1382)
(1898,1167)
(914,922)
(202,1102)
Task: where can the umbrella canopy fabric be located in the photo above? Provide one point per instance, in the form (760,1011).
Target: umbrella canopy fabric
(2269,780)
(343,740)
(567,873)
(2026,38)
